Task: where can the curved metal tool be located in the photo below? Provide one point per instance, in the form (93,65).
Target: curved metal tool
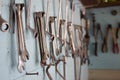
(48,74)
(21,64)
(27,7)
(4,26)
(56,65)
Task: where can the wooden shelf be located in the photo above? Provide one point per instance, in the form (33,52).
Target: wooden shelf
(103,5)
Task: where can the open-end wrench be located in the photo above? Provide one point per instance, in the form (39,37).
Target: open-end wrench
(4,26)
(21,64)
(19,8)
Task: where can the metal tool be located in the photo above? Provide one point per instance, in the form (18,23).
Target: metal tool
(61,32)
(98,29)
(115,43)
(12,15)
(51,20)
(21,64)
(27,9)
(19,9)
(44,54)
(4,26)
(32,73)
(94,25)
(118,31)
(105,42)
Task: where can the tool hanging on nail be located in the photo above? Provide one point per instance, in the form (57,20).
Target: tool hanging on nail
(4,26)
(115,47)
(22,50)
(118,31)
(98,29)
(93,24)
(39,21)
(12,16)
(105,42)
(27,12)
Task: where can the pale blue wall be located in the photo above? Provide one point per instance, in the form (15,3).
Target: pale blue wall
(104,60)
(8,48)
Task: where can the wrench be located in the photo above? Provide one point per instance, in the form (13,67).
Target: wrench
(4,26)
(21,64)
(19,8)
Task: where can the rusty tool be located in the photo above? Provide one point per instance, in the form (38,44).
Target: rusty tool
(52,20)
(19,9)
(61,32)
(39,18)
(56,64)
(47,20)
(48,73)
(115,43)
(105,42)
(98,29)
(4,26)
(27,9)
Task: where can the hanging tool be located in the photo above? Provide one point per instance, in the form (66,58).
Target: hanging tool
(47,20)
(115,43)
(52,20)
(105,43)
(39,18)
(22,51)
(61,32)
(118,31)
(2,21)
(48,74)
(12,16)
(27,12)
(98,29)
(93,24)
